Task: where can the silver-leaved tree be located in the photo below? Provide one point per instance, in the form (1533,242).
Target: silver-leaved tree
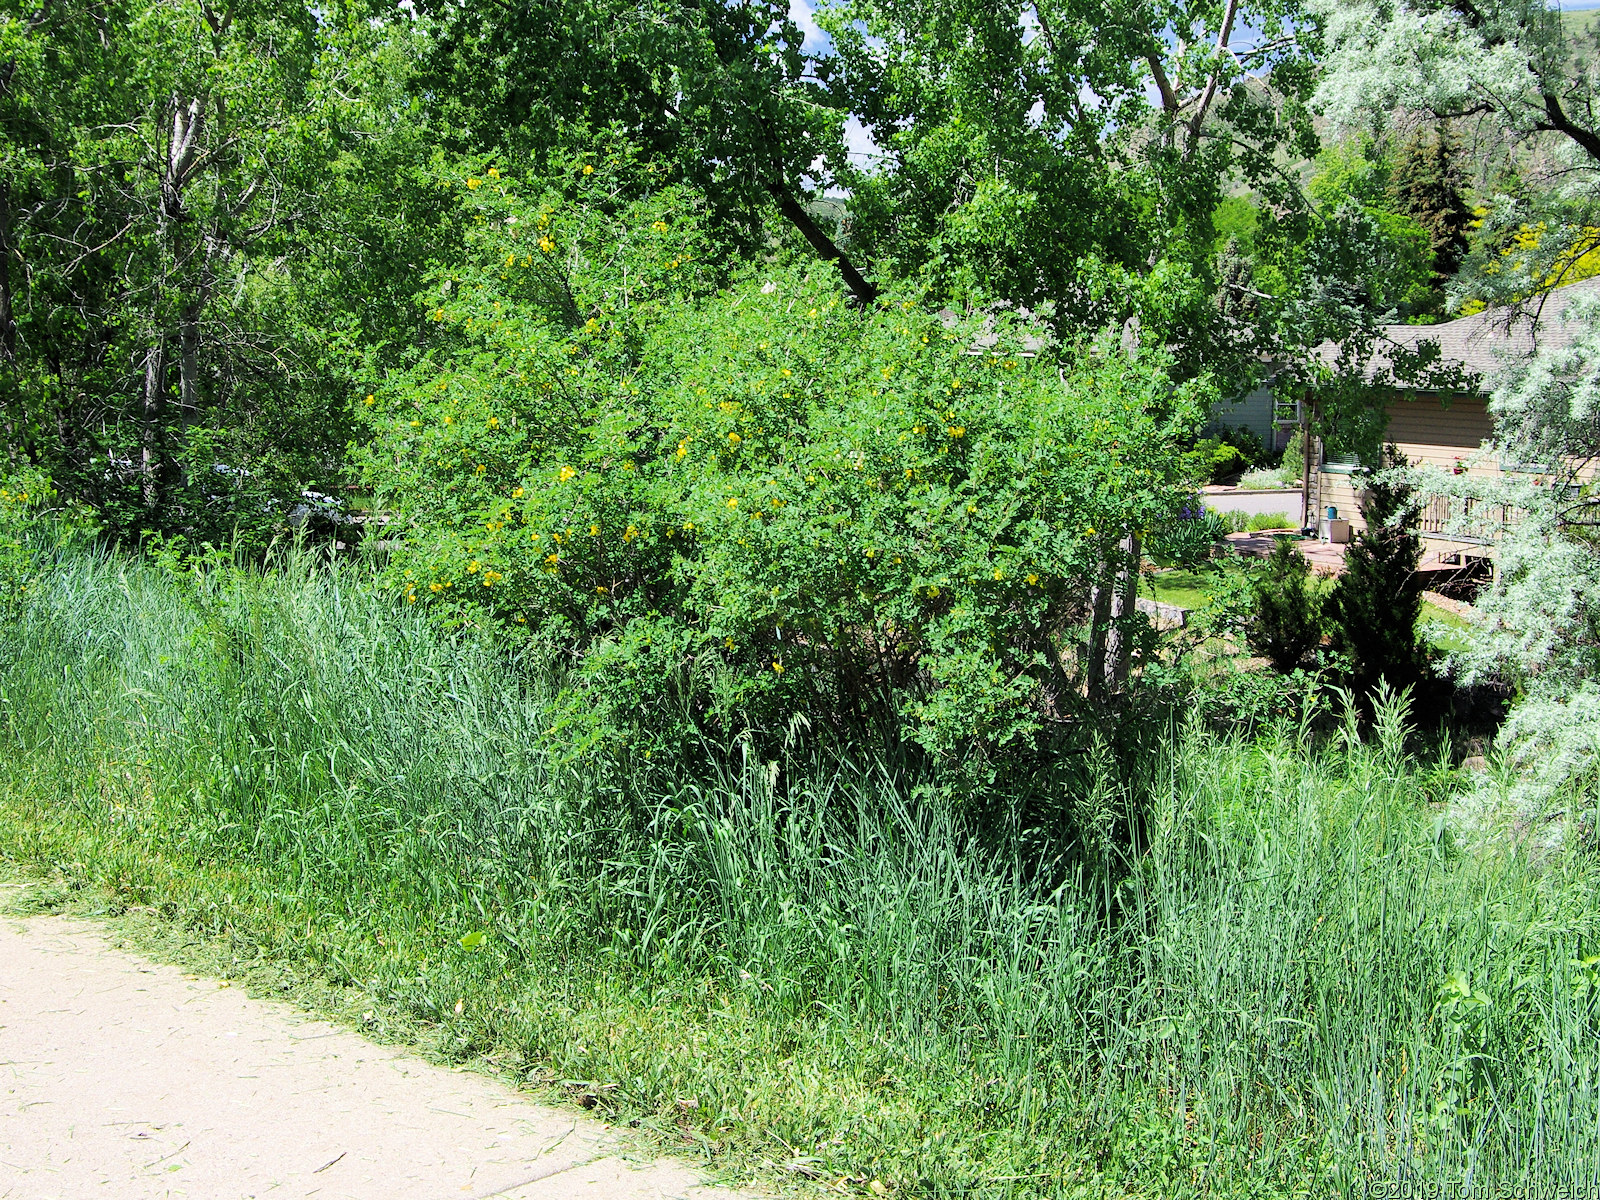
(1529,80)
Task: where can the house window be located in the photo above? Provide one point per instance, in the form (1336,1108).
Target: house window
(1340,462)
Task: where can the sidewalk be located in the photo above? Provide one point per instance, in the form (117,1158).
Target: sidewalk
(125,1078)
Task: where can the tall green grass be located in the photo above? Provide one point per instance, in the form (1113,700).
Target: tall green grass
(1296,981)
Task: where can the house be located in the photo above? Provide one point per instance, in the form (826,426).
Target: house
(1454,430)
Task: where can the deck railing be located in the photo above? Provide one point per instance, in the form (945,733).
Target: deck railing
(1464,519)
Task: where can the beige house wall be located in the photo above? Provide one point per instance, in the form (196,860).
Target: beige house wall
(1443,432)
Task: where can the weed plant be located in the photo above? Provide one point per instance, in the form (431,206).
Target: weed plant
(1295,982)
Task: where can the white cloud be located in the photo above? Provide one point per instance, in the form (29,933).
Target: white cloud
(804,14)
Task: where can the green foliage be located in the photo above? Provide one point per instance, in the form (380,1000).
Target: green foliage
(1287,621)
(1234,521)
(1236,220)
(1426,185)
(297,771)
(1352,168)
(36,522)
(1376,602)
(1188,539)
(1260,521)
(738,510)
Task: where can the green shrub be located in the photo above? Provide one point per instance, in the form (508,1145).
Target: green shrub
(1292,461)
(1286,619)
(1377,600)
(1262,521)
(1247,442)
(732,510)
(1234,521)
(1190,538)
(1218,461)
(34,523)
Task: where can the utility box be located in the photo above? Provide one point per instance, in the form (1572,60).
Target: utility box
(1339,532)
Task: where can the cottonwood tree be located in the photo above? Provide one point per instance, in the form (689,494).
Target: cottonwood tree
(163,156)
(1068,155)
(722,97)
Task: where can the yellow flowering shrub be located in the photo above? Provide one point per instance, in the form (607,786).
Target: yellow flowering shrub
(729,503)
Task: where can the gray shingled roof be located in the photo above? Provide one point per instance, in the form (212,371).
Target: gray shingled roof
(1487,342)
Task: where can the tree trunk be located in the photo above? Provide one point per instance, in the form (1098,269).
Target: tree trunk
(150,440)
(791,208)
(8,324)
(189,359)
(1095,659)
(1124,595)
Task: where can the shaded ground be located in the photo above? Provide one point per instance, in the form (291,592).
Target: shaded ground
(124,1078)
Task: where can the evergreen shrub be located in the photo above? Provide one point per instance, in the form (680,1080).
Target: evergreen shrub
(1376,603)
(1286,614)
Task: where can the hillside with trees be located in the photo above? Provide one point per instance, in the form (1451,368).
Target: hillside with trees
(636,541)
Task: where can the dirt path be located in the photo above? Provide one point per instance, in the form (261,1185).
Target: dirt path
(125,1079)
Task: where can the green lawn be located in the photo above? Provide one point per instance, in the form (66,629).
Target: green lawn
(1443,628)
(1186,589)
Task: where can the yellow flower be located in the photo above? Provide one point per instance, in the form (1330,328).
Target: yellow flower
(594,531)
(472,183)
(734,439)
(728,642)
(1089,532)
(472,567)
(587,169)
(494,422)
(436,587)
(546,244)
(566,474)
(956,431)
(632,533)
(733,502)
(516,494)
(1033,579)
(415,424)
(999,574)
(659,226)
(785,372)
(599,590)
(778,667)
(481,469)
(369,401)
(494,172)
(552,559)
(449,420)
